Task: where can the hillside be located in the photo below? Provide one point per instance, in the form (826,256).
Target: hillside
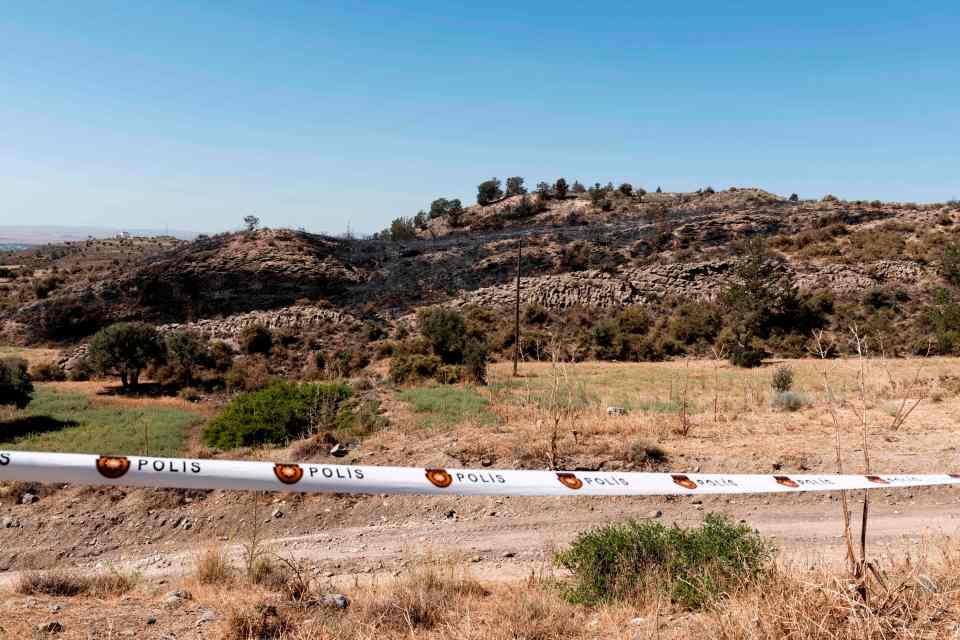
(580,251)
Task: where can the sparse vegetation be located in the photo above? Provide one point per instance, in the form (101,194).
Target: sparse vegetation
(447,406)
(280,412)
(694,567)
(73,423)
(66,584)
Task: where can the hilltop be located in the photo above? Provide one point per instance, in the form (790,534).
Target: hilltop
(602,249)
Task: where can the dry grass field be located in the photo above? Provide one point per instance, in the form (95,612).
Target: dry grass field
(431,568)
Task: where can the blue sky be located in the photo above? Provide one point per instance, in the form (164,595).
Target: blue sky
(190,115)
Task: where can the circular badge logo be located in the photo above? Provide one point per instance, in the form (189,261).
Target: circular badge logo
(787,482)
(684,482)
(112,467)
(439,478)
(876,479)
(570,480)
(288,473)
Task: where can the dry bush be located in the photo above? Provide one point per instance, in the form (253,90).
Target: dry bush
(812,607)
(256,622)
(534,614)
(67,584)
(428,597)
(212,567)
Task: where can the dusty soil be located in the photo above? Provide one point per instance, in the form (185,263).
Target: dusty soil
(350,541)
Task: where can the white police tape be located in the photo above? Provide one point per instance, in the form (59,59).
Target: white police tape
(182,473)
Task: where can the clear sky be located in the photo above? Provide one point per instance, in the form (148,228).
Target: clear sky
(322,114)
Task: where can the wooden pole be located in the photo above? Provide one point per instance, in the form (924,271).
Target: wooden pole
(516,325)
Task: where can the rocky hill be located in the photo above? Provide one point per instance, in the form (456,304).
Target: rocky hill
(579,251)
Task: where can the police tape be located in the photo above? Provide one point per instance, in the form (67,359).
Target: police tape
(234,475)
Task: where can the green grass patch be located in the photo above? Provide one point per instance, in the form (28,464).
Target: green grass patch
(74,423)
(692,566)
(448,406)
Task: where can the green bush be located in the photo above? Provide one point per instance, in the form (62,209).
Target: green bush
(692,566)
(782,378)
(276,414)
(16,387)
(446,330)
(414,367)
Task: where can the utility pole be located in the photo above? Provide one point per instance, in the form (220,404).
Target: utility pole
(516,326)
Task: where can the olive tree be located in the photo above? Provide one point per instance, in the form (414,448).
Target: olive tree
(125,349)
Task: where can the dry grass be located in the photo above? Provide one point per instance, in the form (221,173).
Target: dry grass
(712,403)
(69,584)
(256,622)
(212,566)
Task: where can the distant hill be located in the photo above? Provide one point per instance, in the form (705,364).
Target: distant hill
(586,257)
(13,237)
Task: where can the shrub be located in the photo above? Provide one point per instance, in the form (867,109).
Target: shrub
(247,375)
(48,372)
(693,566)
(446,331)
(746,356)
(186,353)
(66,584)
(16,388)
(125,349)
(789,401)
(43,288)
(212,567)
(413,367)
(280,412)
(256,339)
(782,378)
(643,454)
(260,621)
(475,362)
(950,265)
(443,208)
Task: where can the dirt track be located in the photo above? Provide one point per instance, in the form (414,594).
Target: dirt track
(508,538)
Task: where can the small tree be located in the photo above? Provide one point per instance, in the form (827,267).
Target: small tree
(560,188)
(489,191)
(16,387)
(640,192)
(626,189)
(659,190)
(578,187)
(125,349)
(543,190)
(251,222)
(515,186)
